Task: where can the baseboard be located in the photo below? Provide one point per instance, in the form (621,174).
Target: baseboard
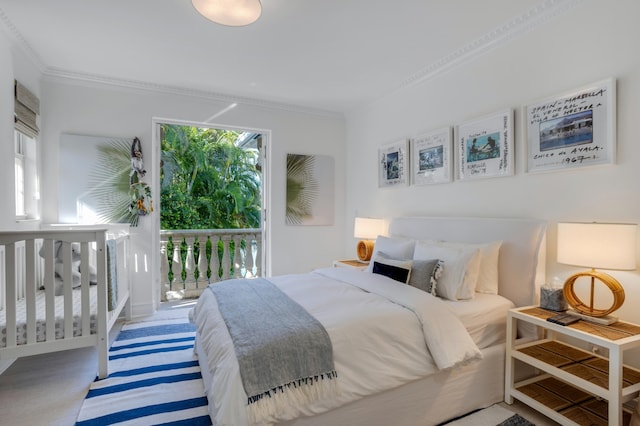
(4,364)
(142,309)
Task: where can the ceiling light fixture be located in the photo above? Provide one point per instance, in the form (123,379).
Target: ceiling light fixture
(233,13)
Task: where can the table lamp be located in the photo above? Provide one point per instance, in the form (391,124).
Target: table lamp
(368,230)
(596,245)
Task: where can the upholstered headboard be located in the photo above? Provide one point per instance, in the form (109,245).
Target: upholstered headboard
(521,263)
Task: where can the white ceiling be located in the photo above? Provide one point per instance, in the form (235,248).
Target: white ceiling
(330,55)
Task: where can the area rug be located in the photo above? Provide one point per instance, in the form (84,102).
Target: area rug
(491,416)
(154,379)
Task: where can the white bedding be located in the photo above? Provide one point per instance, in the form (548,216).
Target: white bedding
(484,317)
(378,342)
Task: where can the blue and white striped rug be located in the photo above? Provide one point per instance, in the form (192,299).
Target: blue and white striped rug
(154,379)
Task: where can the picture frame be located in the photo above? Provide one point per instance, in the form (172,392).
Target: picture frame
(310,190)
(572,130)
(431,159)
(393,164)
(485,146)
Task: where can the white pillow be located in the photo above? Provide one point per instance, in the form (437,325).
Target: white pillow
(395,248)
(488,276)
(461,268)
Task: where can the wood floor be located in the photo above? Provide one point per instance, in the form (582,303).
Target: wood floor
(49,389)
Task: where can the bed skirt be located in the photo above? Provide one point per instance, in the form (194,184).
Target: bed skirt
(428,401)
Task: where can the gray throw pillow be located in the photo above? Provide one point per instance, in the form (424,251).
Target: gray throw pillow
(425,274)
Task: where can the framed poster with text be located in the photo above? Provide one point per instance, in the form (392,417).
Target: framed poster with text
(575,129)
(485,147)
(393,162)
(431,157)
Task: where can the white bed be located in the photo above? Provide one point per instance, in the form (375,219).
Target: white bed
(386,374)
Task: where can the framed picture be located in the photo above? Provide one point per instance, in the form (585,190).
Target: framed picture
(310,197)
(393,164)
(431,157)
(575,129)
(485,146)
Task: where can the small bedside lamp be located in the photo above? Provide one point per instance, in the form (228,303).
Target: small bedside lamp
(596,245)
(368,229)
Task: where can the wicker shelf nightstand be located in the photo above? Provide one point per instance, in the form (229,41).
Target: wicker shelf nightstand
(575,385)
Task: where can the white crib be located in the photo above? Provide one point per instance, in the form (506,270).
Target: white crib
(36,321)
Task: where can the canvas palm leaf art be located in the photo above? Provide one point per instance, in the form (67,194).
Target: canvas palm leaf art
(302,188)
(110,184)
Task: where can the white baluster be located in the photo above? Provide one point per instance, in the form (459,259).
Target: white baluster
(258,255)
(176,266)
(226,261)
(164,270)
(248,255)
(190,265)
(214,262)
(237,257)
(202,261)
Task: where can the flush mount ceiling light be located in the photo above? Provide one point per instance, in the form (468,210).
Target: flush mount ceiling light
(234,13)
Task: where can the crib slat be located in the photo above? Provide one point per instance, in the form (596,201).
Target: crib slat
(10,280)
(103,332)
(85,308)
(67,282)
(30,290)
(49,292)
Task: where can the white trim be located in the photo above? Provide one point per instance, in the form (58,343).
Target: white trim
(265,183)
(514,27)
(5,364)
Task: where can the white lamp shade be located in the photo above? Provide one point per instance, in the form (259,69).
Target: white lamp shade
(369,228)
(598,245)
(233,13)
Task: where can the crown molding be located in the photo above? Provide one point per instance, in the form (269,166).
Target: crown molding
(95,80)
(78,78)
(20,41)
(524,23)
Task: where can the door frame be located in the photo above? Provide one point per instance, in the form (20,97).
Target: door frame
(265,154)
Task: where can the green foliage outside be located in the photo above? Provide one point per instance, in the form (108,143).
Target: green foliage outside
(207,181)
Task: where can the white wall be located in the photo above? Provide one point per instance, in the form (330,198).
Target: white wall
(78,107)
(7,212)
(15,65)
(594,41)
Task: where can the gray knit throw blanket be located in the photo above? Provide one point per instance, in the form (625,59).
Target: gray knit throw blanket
(284,354)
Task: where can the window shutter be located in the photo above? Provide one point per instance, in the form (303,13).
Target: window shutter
(27,108)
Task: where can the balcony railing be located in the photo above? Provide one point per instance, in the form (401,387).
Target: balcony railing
(193,259)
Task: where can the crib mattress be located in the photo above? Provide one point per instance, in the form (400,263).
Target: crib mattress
(21,317)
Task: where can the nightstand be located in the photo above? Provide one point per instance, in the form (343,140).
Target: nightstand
(350,263)
(572,385)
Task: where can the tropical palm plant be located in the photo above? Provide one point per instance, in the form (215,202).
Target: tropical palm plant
(207,181)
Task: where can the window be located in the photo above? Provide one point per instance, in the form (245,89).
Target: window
(26,177)
(26,110)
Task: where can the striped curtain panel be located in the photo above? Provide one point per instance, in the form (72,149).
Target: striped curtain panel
(27,108)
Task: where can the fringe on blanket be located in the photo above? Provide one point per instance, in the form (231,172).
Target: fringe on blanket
(302,391)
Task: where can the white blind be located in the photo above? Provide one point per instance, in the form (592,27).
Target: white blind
(27,108)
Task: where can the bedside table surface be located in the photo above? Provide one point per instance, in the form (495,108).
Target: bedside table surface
(353,263)
(616,331)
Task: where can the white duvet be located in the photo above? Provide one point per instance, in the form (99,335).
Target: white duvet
(384,334)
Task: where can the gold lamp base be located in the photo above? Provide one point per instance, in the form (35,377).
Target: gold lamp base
(588,312)
(365,250)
